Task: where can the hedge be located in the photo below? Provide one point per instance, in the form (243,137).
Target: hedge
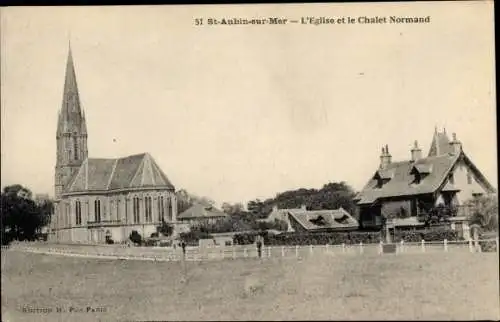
(415,236)
(352,237)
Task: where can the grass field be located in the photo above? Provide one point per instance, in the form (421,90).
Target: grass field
(408,286)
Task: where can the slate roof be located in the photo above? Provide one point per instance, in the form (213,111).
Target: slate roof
(402,179)
(198,211)
(440,144)
(324,219)
(135,171)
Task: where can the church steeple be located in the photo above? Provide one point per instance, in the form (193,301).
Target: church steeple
(71,112)
(71,134)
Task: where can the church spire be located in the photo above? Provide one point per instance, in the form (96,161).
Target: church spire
(71,134)
(71,113)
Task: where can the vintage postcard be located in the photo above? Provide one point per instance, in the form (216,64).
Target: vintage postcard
(330,161)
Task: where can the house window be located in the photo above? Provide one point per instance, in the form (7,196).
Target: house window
(451,178)
(147,206)
(161,208)
(78,212)
(136,209)
(97,210)
(469,177)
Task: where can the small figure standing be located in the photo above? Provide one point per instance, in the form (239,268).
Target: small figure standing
(183,245)
(259,245)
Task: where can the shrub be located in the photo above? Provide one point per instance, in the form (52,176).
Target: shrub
(149,242)
(154,235)
(192,237)
(165,228)
(415,236)
(135,237)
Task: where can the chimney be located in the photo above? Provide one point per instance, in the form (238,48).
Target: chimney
(385,157)
(303,207)
(416,152)
(455,144)
(275,208)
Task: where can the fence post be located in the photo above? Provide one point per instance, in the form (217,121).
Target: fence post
(361,247)
(311,249)
(470,246)
(282,251)
(401,248)
(296,250)
(423,245)
(343,248)
(381,248)
(445,245)
(268,251)
(327,247)
(234,253)
(245,252)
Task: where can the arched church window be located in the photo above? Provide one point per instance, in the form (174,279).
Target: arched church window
(136,209)
(75,146)
(78,212)
(170,215)
(97,210)
(147,206)
(161,208)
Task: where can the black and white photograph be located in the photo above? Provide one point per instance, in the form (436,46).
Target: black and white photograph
(321,161)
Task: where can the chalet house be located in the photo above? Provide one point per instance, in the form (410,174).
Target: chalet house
(282,214)
(314,221)
(407,190)
(200,214)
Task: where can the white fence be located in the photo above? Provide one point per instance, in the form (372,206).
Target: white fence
(238,252)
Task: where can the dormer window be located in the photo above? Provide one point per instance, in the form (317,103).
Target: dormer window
(382,177)
(420,171)
(418,178)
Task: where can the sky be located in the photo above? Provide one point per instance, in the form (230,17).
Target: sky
(243,112)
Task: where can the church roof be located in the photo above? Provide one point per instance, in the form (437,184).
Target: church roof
(135,171)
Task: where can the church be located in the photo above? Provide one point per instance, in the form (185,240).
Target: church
(98,199)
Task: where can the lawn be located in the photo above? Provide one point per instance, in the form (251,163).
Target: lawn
(407,286)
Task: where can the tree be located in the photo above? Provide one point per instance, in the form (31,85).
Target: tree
(166,229)
(485,212)
(185,200)
(231,209)
(21,216)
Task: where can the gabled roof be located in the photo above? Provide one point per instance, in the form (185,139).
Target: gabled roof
(402,184)
(199,210)
(135,171)
(324,219)
(437,169)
